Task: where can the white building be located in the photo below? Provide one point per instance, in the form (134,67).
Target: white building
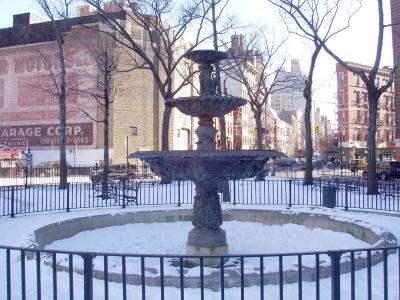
(240,124)
(289,90)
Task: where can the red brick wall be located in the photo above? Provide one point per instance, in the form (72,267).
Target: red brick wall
(395,11)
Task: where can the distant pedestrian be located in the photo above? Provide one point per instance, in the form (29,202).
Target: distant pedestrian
(29,160)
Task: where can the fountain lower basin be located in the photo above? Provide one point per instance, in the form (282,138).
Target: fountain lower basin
(199,166)
(206,169)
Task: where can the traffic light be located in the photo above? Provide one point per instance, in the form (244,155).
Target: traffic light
(317,129)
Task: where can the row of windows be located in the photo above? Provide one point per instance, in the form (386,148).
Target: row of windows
(381,135)
(379,81)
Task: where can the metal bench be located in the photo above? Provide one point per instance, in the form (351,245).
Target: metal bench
(119,187)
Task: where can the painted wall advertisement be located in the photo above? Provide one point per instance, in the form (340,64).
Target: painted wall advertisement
(80,134)
(29,112)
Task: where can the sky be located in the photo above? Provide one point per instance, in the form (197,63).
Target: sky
(356,44)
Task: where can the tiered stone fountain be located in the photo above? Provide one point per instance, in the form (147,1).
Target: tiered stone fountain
(206,167)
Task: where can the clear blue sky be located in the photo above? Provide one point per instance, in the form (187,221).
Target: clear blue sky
(356,44)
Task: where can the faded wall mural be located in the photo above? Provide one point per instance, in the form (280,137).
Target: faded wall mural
(29,113)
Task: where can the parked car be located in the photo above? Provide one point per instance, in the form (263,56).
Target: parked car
(357,164)
(386,170)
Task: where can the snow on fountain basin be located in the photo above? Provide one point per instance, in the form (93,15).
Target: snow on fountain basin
(164,233)
(19,231)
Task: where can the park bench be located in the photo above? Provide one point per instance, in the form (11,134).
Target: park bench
(120,187)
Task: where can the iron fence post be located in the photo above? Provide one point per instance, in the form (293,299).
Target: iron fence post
(123,193)
(179,193)
(26,177)
(335,274)
(68,205)
(88,276)
(13,202)
(290,193)
(234,192)
(346,196)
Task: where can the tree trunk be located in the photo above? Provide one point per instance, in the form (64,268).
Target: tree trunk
(307,93)
(257,117)
(63,156)
(371,145)
(165,128)
(63,123)
(165,137)
(106,163)
(308,178)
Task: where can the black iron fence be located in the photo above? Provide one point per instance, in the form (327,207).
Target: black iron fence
(346,274)
(332,192)
(30,273)
(12,174)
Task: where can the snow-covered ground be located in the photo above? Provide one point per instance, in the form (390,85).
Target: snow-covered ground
(18,232)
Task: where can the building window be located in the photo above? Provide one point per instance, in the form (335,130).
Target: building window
(178,134)
(134,130)
(358,98)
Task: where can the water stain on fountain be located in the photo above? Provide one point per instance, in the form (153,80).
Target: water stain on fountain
(206,166)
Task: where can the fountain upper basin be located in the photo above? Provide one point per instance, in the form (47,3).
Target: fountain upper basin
(214,106)
(200,166)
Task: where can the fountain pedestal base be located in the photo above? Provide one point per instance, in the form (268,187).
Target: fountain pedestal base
(207,241)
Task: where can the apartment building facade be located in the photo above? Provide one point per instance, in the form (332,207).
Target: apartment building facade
(395,12)
(353,116)
(29,116)
(240,123)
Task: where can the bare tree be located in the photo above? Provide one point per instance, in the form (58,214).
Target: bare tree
(257,67)
(59,13)
(164,24)
(375,91)
(368,76)
(107,60)
(314,21)
(214,18)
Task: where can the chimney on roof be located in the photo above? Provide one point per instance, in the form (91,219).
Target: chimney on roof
(21,19)
(114,6)
(26,19)
(83,11)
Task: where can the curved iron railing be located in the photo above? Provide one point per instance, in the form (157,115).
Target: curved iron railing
(57,274)
(51,274)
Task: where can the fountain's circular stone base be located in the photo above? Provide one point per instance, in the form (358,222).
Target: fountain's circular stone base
(206,242)
(206,251)
(377,238)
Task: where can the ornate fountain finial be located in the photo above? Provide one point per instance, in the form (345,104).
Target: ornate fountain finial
(205,59)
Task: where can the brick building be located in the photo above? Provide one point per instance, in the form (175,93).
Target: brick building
(353,115)
(29,114)
(395,12)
